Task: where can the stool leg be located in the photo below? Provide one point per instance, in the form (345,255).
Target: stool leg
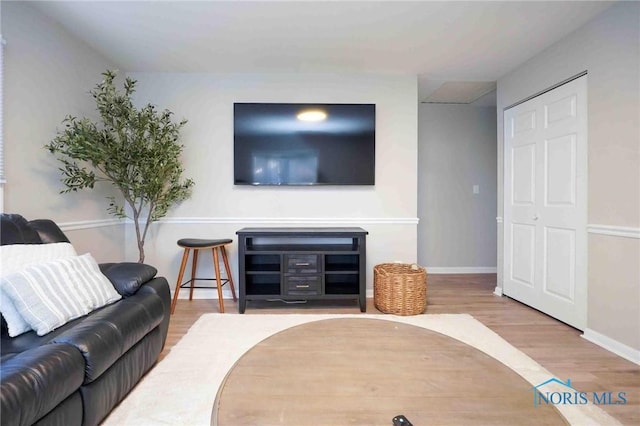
(194,267)
(225,259)
(185,256)
(218,280)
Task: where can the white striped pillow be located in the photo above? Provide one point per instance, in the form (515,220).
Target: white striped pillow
(91,282)
(13,258)
(50,294)
(44,296)
(16,325)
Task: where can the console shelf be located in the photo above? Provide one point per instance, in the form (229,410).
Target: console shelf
(293,264)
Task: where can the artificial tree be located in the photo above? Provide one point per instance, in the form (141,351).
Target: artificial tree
(135,149)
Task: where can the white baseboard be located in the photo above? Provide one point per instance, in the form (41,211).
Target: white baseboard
(498,291)
(462,270)
(612,345)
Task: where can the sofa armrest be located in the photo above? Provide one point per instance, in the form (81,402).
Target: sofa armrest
(160,287)
(35,381)
(128,277)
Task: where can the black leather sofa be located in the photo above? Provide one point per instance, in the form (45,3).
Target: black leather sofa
(78,373)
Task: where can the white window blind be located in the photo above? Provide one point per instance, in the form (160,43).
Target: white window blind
(2,179)
(2,43)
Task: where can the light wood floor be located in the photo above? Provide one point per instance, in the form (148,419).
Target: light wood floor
(556,346)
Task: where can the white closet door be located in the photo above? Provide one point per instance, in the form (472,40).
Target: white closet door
(545,206)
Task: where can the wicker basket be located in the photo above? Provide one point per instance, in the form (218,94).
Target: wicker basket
(400,288)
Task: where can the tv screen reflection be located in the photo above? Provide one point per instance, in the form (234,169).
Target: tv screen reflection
(294,168)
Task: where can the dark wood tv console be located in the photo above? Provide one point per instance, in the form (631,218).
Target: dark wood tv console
(293,264)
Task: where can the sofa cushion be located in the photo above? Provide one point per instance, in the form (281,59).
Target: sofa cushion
(101,395)
(127,277)
(34,382)
(10,232)
(16,230)
(26,341)
(105,335)
(48,231)
(69,412)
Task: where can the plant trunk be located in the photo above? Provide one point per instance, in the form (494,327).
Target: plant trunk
(144,233)
(140,241)
(141,251)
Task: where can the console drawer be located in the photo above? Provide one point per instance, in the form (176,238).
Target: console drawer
(307,285)
(302,263)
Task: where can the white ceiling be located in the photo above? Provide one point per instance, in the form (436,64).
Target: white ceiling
(438,41)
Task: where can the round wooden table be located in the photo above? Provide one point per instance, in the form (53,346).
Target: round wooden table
(352,371)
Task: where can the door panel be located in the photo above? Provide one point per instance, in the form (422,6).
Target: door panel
(545,159)
(560,109)
(560,173)
(524,174)
(523,255)
(524,121)
(560,263)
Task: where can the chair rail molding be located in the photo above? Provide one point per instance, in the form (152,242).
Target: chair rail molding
(89,224)
(99,223)
(293,220)
(614,231)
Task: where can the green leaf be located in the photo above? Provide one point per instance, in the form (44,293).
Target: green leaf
(135,149)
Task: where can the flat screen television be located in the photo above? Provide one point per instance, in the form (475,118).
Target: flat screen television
(304,144)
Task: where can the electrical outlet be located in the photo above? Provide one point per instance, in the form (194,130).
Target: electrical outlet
(476,189)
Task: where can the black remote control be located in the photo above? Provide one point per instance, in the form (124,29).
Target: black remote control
(401,421)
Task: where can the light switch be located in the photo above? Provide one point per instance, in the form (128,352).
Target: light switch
(476,189)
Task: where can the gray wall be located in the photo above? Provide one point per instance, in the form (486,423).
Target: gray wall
(609,50)
(388,210)
(47,75)
(457,150)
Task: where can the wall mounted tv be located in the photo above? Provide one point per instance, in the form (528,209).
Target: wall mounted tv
(304,144)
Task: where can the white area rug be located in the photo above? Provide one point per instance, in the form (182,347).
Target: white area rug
(182,388)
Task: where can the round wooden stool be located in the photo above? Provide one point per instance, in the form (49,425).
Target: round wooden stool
(197,244)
